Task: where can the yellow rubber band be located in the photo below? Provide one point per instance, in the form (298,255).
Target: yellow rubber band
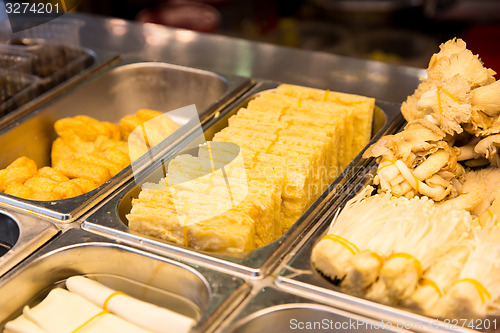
(450,95)
(89,320)
(447,93)
(381,166)
(417,184)
(440,107)
(483,292)
(431,283)
(416,262)
(106,301)
(377,256)
(344,242)
(491,215)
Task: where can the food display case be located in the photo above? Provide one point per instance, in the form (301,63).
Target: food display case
(130,66)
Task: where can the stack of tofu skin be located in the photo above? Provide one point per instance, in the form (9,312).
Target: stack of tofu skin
(258,175)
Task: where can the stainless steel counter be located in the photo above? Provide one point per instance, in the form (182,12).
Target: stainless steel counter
(250,59)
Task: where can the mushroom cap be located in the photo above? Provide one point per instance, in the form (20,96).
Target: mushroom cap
(488,146)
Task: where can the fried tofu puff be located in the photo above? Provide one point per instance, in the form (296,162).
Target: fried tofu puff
(18,190)
(18,171)
(145,130)
(52,173)
(78,169)
(86,128)
(130,122)
(86,154)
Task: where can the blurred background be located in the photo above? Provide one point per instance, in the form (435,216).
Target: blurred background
(404,32)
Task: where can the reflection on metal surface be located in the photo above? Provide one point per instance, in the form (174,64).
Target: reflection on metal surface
(196,292)
(185,36)
(21,235)
(272,310)
(264,61)
(154,36)
(117,27)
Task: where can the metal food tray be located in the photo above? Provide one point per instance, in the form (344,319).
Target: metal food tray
(49,64)
(21,235)
(17,89)
(273,310)
(299,276)
(109,219)
(109,96)
(202,294)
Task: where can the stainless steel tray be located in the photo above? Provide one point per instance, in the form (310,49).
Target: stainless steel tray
(273,310)
(21,235)
(73,65)
(109,219)
(299,276)
(203,294)
(109,96)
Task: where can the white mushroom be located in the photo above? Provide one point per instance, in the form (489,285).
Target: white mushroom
(488,147)
(487,98)
(454,59)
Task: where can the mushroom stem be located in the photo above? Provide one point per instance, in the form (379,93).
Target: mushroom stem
(431,165)
(467,153)
(437,193)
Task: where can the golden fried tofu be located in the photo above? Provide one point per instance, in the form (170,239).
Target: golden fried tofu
(147,114)
(24,162)
(18,190)
(67,189)
(85,184)
(103,143)
(128,124)
(18,171)
(84,127)
(3,173)
(113,130)
(79,169)
(44,196)
(67,147)
(118,157)
(60,150)
(38,183)
(156,126)
(52,173)
(113,167)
